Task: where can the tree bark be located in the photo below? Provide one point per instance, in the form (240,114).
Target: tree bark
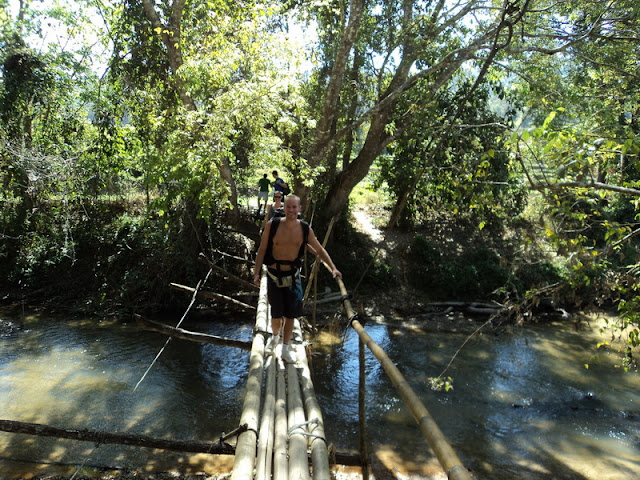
(332,97)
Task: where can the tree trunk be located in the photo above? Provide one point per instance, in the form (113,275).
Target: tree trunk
(332,97)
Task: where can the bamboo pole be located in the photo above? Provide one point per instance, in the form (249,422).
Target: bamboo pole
(316,264)
(192,336)
(280,458)
(265,438)
(298,460)
(429,428)
(319,450)
(246,445)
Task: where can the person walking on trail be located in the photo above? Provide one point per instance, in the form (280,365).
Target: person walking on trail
(279,184)
(264,184)
(282,245)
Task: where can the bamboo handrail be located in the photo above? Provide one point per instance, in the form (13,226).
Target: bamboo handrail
(429,428)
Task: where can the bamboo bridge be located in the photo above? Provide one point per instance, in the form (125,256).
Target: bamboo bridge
(281,433)
(284,437)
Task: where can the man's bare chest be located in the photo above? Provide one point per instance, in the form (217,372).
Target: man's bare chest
(288,240)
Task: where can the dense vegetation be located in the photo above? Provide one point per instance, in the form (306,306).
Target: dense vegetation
(134,132)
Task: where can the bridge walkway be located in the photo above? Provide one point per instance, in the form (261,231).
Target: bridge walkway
(285,436)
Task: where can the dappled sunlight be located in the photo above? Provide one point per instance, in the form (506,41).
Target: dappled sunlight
(522,406)
(424,465)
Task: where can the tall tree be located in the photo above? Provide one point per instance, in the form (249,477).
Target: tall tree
(426,42)
(226,65)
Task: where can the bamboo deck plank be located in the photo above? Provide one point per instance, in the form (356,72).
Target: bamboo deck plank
(298,459)
(280,457)
(244,461)
(282,434)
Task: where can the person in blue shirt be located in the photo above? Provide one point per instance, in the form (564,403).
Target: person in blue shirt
(279,184)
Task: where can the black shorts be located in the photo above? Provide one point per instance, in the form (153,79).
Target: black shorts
(285,301)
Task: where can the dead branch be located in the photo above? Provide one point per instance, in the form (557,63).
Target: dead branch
(147,324)
(203,258)
(213,296)
(84,435)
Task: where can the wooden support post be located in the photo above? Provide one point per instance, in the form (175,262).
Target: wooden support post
(298,460)
(280,457)
(246,447)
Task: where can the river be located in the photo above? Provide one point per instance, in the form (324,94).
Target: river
(523,403)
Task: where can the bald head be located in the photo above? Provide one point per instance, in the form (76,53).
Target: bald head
(293,198)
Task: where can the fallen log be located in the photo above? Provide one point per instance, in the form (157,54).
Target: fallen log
(103,438)
(213,296)
(147,324)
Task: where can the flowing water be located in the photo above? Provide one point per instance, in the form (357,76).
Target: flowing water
(523,404)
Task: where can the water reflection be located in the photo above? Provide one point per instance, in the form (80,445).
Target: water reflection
(74,374)
(523,405)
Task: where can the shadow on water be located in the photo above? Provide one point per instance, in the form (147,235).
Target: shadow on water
(523,404)
(82,375)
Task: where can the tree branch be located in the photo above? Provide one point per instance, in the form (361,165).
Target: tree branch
(592,184)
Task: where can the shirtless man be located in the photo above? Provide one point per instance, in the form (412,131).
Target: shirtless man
(284,286)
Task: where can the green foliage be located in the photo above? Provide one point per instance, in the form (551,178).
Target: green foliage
(535,275)
(109,256)
(454,168)
(473,274)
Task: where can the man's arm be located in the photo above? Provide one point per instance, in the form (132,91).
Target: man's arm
(262,249)
(318,250)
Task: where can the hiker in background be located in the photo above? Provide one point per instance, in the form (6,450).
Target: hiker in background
(275,209)
(282,246)
(264,184)
(279,185)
